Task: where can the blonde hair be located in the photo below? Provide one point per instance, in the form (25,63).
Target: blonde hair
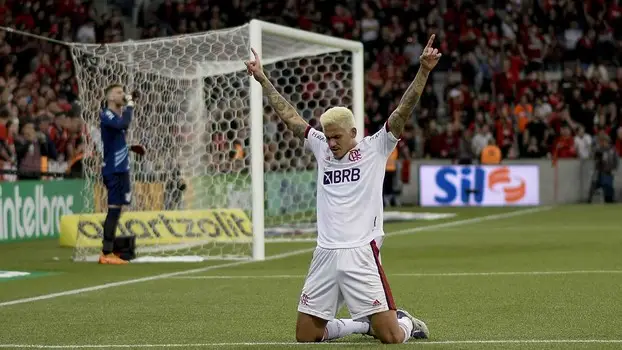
(338,116)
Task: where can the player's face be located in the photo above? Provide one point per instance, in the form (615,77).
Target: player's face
(340,140)
(116,96)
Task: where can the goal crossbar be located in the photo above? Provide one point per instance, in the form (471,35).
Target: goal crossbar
(310,37)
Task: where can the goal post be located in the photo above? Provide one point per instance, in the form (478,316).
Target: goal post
(257,31)
(205,123)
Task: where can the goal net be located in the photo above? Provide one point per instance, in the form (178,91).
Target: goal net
(222,175)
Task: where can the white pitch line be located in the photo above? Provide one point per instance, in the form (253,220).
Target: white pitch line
(441,274)
(273,257)
(415,343)
(527,228)
(475,220)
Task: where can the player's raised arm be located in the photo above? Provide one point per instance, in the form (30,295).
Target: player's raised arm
(429,58)
(282,107)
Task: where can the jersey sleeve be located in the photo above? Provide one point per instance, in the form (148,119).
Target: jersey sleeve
(315,141)
(383,141)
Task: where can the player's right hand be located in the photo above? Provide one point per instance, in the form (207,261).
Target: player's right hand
(129,101)
(254,67)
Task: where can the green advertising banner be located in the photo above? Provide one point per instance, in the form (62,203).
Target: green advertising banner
(285,192)
(290,192)
(32,209)
(220,191)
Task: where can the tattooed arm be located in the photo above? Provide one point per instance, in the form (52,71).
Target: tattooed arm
(428,60)
(405,109)
(283,109)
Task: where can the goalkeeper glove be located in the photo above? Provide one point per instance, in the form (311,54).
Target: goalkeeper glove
(129,101)
(138,149)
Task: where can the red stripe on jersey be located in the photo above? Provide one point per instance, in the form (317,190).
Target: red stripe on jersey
(383,277)
(386,126)
(307,131)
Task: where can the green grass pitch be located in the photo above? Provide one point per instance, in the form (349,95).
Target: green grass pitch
(489,278)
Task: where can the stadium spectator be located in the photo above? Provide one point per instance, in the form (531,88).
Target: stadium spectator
(7,149)
(389,187)
(31,149)
(491,154)
(564,146)
(606,162)
(481,139)
(583,143)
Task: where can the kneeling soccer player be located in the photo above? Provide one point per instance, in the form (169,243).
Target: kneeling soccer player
(346,268)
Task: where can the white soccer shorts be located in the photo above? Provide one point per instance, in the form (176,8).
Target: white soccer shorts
(352,276)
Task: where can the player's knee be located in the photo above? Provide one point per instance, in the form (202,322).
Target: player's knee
(308,336)
(386,327)
(309,329)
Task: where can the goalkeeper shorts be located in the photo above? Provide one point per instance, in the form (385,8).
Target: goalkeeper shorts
(119,188)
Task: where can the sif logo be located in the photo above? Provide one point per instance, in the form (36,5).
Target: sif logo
(479,185)
(513,188)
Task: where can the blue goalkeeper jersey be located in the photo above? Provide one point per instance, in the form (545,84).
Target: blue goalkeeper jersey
(113,130)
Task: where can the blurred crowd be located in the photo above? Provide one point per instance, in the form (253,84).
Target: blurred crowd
(535,78)
(40,129)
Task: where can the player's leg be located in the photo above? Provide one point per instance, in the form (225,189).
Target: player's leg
(118,187)
(367,293)
(339,328)
(607,185)
(310,328)
(342,327)
(320,297)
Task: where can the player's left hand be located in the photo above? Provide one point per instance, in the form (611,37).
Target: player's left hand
(255,68)
(430,56)
(138,149)
(129,100)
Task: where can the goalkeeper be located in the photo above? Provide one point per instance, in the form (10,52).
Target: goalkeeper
(115,119)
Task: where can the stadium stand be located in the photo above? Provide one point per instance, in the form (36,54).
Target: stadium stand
(37,84)
(541,78)
(536,76)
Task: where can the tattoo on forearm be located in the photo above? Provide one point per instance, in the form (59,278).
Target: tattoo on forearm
(284,109)
(402,113)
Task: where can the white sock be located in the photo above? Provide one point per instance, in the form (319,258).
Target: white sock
(340,328)
(407,326)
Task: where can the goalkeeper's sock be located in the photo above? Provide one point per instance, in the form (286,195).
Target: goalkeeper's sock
(340,328)
(110,226)
(406,324)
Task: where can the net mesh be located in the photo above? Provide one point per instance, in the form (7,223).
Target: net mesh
(193,116)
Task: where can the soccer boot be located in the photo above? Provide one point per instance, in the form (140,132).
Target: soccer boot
(420,330)
(111,259)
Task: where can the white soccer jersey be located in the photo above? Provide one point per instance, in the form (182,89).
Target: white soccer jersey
(349,190)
